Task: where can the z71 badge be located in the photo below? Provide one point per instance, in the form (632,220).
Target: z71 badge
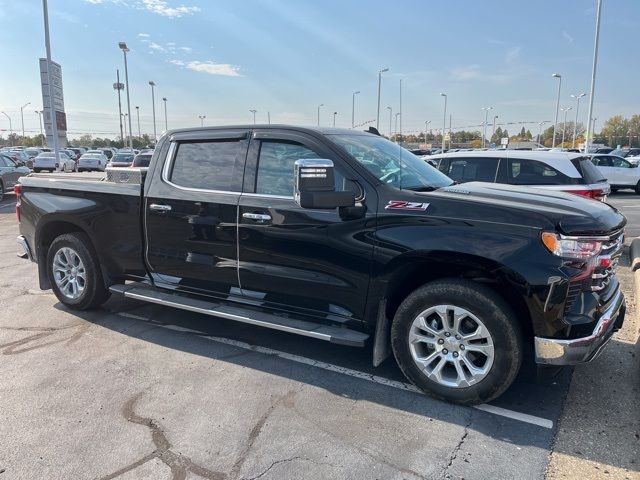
(402,205)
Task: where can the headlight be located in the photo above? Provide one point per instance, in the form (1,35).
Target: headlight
(580,248)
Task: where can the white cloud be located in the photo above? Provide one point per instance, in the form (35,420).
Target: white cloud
(210,67)
(144,35)
(473,73)
(161,7)
(567,37)
(157,47)
(186,49)
(512,54)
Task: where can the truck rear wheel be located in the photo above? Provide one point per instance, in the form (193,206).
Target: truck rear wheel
(74,271)
(457,341)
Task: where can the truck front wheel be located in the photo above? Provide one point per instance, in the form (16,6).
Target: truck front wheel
(458,341)
(74,271)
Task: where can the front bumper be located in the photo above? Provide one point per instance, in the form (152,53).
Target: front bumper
(555,351)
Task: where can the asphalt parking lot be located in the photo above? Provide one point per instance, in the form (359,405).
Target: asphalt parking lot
(136,391)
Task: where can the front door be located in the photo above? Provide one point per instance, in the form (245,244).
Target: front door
(191,213)
(10,172)
(310,261)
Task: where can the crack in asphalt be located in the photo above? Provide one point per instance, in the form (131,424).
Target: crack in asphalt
(177,463)
(13,348)
(454,453)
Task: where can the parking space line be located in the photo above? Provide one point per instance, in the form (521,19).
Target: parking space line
(503,412)
(8,205)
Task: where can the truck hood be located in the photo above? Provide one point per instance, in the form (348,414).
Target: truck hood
(535,207)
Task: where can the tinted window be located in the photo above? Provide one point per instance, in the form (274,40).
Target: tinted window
(3,161)
(275,167)
(473,169)
(206,165)
(588,170)
(604,161)
(142,160)
(620,162)
(532,172)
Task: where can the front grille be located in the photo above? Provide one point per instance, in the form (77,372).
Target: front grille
(605,264)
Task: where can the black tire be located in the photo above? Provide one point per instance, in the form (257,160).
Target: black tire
(95,293)
(36,170)
(1,191)
(637,189)
(487,306)
(614,189)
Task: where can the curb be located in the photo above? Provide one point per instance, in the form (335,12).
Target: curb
(634,254)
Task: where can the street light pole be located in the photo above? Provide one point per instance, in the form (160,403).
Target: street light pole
(396,126)
(269,118)
(575,125)
(380,72)
(593,74)
(353,108)
(166,123)
(334,118)
(555,123)
(153,109)
(484,128)
(40,113)
(22,118)
(400,108)
(254,115)
(52,113)
(540,129)
(321,105)
(10,129)
(426,127)
(202,117)
(125,123)
(493,132)
(119,86)
(125,49)
(444,121)
(138,115)
(564,125)
(390,118)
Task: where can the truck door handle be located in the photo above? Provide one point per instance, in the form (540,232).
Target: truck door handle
(258,217)
(160,208)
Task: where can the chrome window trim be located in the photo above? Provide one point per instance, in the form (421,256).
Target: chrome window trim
(171,156)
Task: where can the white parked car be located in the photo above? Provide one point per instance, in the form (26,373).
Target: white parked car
(619,172)
(93,160)
(48,161)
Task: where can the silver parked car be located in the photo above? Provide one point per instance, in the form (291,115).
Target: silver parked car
(10,172)
(48,161)
(93,160)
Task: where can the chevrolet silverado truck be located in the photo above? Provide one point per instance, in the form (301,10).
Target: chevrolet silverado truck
(341,236)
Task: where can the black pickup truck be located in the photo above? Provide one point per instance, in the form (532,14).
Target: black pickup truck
(341,236)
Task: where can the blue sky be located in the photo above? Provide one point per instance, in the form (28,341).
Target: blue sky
(222,58)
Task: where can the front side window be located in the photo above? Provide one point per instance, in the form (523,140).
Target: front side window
(473,169)
(620,162)
(532,172)
(205,165)
(275,166)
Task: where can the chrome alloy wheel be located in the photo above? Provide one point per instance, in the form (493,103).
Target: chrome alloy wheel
(69,273)
(451,346)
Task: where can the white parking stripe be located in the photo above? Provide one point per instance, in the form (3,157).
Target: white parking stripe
(503,412)
(8,205)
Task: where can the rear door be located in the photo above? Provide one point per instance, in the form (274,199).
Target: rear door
(191,212)
(624,172)
(472,169)
(309,261)
(9,172)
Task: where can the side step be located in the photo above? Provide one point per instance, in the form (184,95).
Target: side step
(146,293)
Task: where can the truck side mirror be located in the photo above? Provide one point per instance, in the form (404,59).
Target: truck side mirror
(314,185)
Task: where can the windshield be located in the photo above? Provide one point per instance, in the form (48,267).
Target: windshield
(120,157)
(391,163)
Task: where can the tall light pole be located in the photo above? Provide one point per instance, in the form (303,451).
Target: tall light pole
(124,115)
(321,105)
(353,108)
(380,72)
(540,130)
(575,125)
(202,117)
(334,118)
(484,129)
(630,132)
(593,75)
(555,123)
(269,118)
(396,126)
(564,125)
(390,119)
(125,49)
(22,118)
(10,129)
(444,121)
(493,132)
(166,123)
(254,115)
(47,41)
(426,127)
(400,108)
(119,86)
(138,115)
(40,113)
(152,84)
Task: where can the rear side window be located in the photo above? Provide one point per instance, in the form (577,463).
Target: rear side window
(205,165)
(522,171)
(142,161)
(472,169)
(590,173)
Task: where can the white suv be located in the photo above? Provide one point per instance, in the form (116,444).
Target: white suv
(619,172)
(569,172)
